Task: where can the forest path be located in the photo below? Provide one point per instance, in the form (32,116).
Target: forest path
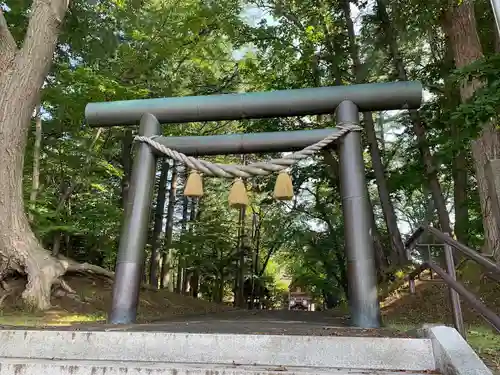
(260,322)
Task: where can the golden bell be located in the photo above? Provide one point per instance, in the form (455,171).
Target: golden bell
(283,188)
(194,185)
(238,197)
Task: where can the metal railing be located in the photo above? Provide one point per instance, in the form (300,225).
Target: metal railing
(456,289)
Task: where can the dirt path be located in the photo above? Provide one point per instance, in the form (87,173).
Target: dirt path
(274,322)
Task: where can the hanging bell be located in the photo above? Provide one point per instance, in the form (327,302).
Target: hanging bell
(283,188)
(194,185)
(238,197)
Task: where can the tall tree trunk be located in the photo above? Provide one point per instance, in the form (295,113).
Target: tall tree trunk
(461,29)
(382,260)
(256,230)
(180,260)
(460,185)
(167,280)
(22,74)
(154,264)
(486,147)
(381,130)
(417,124)
(194,283)
(126,163)
(459,160)
(35,179)
(188,269)
(378,167)
(65,192)
(334,172)
(236,279)
(241,263)
(219,288)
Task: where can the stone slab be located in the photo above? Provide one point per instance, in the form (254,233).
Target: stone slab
(267,350)
(453,354)
(54,367)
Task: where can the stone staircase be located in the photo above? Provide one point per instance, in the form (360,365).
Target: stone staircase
(119,352)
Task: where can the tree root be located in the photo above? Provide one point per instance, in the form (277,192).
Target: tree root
(64,286)
(11,288)
(42,275)
(5,296)
(44,272)
(21,253)
(73,266)
(88,268)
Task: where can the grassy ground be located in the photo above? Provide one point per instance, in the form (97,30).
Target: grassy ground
(92,302)
(431,304)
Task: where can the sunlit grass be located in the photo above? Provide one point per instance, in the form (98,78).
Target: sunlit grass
(485,342)
(22,319)
(75,318)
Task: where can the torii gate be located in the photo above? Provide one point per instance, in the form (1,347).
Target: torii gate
(345,101)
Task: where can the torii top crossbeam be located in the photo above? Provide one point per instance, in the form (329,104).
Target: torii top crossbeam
(282,103)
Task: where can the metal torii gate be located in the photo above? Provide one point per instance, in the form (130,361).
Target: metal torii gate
(345,101)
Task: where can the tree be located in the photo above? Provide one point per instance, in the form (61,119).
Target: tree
(432,175)
(378,167)
(461,29)
(154,263)
(107,50)
(22,73)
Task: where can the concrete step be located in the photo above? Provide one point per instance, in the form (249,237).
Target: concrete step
(228,349)
(15,366)
(52,352)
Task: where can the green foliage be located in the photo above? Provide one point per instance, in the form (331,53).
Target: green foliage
(485,104)
(116,50)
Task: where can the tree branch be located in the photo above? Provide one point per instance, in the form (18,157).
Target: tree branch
(8,45)
(64,285)
(277,243)
(268,257)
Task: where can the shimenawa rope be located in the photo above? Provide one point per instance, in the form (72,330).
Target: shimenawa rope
(253,169)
